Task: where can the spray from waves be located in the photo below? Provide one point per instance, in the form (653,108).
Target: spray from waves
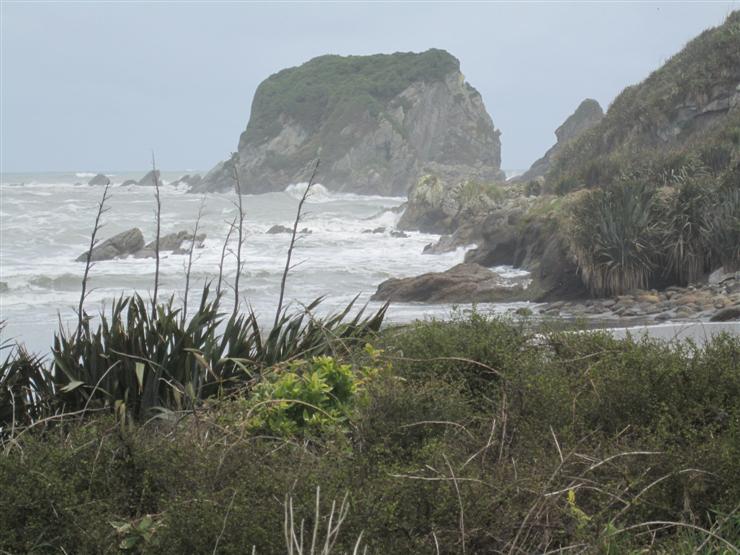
(85,174)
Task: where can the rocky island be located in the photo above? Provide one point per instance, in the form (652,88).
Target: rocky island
(378,123)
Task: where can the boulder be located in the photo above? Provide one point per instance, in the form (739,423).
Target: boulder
(125,243)
(464,283)
(148,179)
(129,182)
(99,179)
(277,228)
(178,243)
(4,287)
(188,180)
(726,314)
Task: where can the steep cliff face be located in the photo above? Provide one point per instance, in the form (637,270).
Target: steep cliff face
(689,109)
(586,116)
(376,122)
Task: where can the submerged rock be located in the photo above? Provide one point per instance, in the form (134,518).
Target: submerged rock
(188,180)
(463,283)
(277,228)
(99,179)
(125,243)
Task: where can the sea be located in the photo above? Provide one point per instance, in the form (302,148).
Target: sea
(46,220)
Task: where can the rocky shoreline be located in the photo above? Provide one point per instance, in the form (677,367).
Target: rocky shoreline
(716,302)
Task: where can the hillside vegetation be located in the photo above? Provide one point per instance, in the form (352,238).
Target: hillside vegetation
(334,87)
(684,115)
(471,436)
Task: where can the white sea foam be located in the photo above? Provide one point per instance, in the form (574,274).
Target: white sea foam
(46,226)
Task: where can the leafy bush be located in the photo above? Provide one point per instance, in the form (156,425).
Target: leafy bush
(579,441)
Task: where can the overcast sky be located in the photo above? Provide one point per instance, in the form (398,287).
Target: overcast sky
(95,86)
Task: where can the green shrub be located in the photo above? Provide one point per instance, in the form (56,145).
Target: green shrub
(615,237)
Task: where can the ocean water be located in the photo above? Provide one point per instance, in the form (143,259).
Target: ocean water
(46,220)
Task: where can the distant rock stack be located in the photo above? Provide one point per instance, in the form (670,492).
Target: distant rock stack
(378,123)
(587,115)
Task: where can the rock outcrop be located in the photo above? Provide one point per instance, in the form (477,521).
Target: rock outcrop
(148,179)
(188,180)
(586,116)
(435,206)
(99,179)
(377,123)
(123,244)
(464,283)
(177,243)
(131,243)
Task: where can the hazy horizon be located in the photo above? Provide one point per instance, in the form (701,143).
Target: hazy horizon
(97,86)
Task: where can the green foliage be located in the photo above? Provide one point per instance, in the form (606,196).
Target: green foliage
(334,88)
(309,395)
(137,363)
(578,442)
(615,238)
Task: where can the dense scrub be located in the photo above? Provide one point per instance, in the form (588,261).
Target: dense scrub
(469,436)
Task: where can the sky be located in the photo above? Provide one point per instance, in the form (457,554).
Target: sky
(93,86)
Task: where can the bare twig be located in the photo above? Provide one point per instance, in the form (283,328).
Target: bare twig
(156,239)
(190,259)
(223,527)
(292,242)
(459,500)
(93,241)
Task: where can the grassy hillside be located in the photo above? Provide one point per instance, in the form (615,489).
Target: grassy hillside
(332,86)
(657,126)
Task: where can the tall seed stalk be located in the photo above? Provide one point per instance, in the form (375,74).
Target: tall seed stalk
(292,242)
(240,231)
(88,264)
(190,259)
(156,240)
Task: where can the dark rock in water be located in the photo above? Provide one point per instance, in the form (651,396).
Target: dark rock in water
(279,229)
(726,314)
(445,244)
(178,242)
(376,230)
(382,121)
(148,179)
(129,182)
(99,179)
(282,229)
(188,180)
(399,234)
(4,287)
(463,283)
(123,244)
(538,246)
